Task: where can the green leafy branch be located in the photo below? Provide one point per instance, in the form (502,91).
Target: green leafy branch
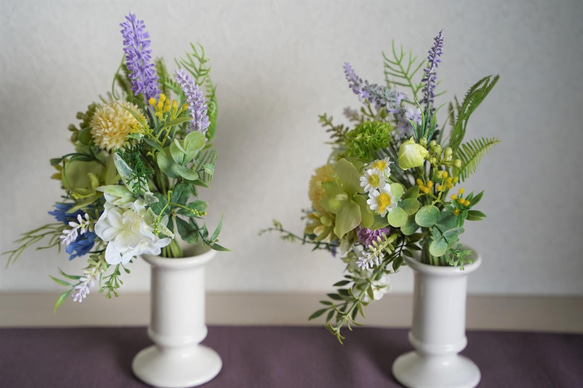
(402,68)
(29,239)
(471,154)
(292,237)
(338,132)
(459,114)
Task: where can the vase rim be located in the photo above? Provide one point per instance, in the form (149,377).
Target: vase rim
(195,255)
(435,270)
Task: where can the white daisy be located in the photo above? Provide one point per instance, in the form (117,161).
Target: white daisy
(381,201)
(372,179)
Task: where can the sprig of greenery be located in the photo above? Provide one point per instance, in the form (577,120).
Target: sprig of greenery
(29,239)
(471,154)
(402,68)
(459,114)
(286,235)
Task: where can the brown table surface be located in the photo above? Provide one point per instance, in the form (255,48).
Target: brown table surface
(276,356)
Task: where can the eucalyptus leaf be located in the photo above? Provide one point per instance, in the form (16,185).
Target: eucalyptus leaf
(427,216)
(185,172)
(397,217)
(438,247)
(409,205)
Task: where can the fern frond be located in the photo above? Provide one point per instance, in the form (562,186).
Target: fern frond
(473,98)
(196,63)
(205,165)
(471,154)
(164,78)
(400,70)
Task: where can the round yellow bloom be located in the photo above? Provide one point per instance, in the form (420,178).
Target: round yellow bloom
(112,124)
(316,191)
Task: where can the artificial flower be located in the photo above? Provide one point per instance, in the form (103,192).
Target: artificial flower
(411,154)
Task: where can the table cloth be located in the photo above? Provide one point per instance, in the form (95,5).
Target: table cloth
(280,357)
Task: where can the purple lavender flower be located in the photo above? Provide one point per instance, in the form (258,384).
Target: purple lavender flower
(367,236)
(408,117)
(196,102)
(139,58)
(379,96)
(430,77)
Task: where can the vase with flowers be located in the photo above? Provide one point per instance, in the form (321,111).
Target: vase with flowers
(391,194)
(131,189)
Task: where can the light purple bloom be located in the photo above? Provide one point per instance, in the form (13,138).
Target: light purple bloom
(430,77)
(367,236)
(379,96)
(407,116)
(196,102)
(138,56)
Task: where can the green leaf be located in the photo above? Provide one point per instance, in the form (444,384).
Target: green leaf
(427,216)
(193,142)
(348,175)
(219,248)
(412,192)
(397,217)
(215,234)
(166,164)
(396,191)
(187,231)
(177,152)
(471,154)
(185,172)
(473,98)
(181,193)
(317,314)
(61,282)
(475,215)
(61,299)
(438,247)
(409,205)
(410,227)
(347,218)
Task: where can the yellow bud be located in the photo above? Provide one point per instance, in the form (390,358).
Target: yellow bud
(454,197)
(162,97)
(460,201)
(439,188)
(461,190)
(456,211)
(426,190)
(430,184)
(152,101)
(419,182)
(160,105)
(455,179)
(438,174)
(444,174)
(174,105)
(185,107)
(466,203)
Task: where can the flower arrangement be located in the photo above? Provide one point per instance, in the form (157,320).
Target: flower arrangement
(385,191)
(140,155)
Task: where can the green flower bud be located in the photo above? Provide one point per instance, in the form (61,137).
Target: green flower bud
(411,154)
(457,163)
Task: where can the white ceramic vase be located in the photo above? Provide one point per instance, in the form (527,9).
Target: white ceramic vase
(438,332)
(177,324)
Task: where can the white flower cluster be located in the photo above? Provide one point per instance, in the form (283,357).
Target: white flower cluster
(128,228)
(82,225)
(375,182)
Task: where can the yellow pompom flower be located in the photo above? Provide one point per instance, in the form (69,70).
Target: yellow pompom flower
(113,123)
(316,191)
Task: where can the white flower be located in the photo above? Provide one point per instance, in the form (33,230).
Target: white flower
(379,288)
(129,232)
(381,201)
(372,179)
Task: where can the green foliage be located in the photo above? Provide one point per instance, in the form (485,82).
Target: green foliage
(28,239)
(401,69)
(460,114)
(338,132)
(471,154)
(364,141)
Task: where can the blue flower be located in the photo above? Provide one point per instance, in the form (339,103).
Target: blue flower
(82,245)
(61,212)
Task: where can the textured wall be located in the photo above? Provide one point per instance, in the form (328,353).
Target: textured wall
(278,65)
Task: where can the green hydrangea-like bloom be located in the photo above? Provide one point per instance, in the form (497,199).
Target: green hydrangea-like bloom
(366,139)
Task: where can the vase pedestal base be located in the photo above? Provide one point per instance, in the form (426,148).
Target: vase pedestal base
(177,368)
(452,371)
